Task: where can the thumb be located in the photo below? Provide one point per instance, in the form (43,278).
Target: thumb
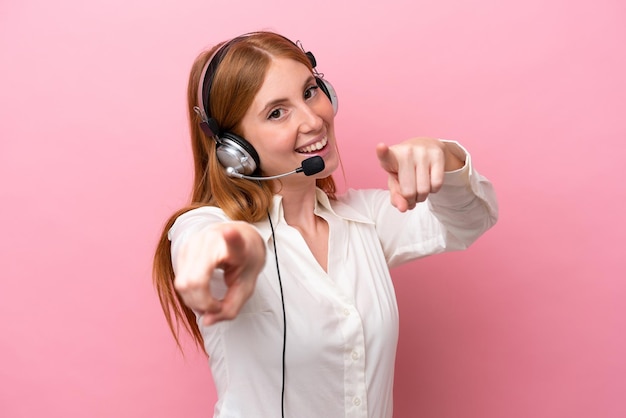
(387,159)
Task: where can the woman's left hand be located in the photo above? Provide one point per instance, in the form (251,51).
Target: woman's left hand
(416,168)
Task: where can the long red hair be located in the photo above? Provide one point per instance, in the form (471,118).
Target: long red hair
(236,82)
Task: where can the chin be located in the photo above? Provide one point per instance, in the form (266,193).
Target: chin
(330,165)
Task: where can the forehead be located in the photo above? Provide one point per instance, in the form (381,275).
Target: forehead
(283,78)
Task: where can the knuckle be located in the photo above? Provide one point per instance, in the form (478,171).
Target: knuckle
(230,313)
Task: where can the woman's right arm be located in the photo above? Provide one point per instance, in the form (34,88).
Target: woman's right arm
(234,247)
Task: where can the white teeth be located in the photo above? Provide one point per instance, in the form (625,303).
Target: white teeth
(314,147)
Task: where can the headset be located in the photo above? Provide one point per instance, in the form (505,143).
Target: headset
(234,152)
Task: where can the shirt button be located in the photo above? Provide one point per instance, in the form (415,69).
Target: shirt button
(346,311)
(355,355)
(356,401)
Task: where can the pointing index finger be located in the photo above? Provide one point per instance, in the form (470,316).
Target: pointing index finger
(386,158)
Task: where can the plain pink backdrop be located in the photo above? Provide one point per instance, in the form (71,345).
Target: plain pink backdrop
(529,322)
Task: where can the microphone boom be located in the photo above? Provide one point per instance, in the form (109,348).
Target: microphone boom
(310,166)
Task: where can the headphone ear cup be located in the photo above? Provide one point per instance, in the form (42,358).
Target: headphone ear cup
(329,91)
(235,152)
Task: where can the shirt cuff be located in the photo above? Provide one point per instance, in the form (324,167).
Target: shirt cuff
(461,176)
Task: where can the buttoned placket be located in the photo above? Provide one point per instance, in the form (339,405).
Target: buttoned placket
(354,362)
(351,325)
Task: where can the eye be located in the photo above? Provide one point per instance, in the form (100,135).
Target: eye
(310,92)
(275,114)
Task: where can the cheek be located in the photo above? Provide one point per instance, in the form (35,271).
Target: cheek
(273,147)
(328,113)
(266,140)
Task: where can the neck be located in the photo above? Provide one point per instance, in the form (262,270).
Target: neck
(299,205)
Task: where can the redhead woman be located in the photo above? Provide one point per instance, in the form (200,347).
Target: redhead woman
(284,282)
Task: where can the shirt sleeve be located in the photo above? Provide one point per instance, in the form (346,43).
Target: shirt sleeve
(466,205)
(451,219)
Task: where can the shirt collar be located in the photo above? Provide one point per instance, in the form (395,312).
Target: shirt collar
(323,206)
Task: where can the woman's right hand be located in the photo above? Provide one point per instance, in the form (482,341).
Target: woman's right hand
(235,247)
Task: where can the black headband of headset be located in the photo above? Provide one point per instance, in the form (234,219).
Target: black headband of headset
(209,74)
(209,125)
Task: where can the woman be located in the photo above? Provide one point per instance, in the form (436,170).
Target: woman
(285,284)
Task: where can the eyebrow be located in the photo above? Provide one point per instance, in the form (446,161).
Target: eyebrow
(269,105)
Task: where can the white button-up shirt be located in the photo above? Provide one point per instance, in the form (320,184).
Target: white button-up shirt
(342,325)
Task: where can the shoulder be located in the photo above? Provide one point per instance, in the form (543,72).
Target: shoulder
(364,199)
(360,205)
(195,219)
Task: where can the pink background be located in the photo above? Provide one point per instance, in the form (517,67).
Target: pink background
(529,322)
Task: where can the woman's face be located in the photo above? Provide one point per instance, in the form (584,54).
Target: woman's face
(290,120)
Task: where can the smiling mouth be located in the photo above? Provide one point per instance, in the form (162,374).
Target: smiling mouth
(313,147)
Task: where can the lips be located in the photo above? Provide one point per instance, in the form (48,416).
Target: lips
(316,146)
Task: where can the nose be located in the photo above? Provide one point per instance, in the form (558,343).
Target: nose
(310,119)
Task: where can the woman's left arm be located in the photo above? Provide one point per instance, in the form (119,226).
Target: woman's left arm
(463,201)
